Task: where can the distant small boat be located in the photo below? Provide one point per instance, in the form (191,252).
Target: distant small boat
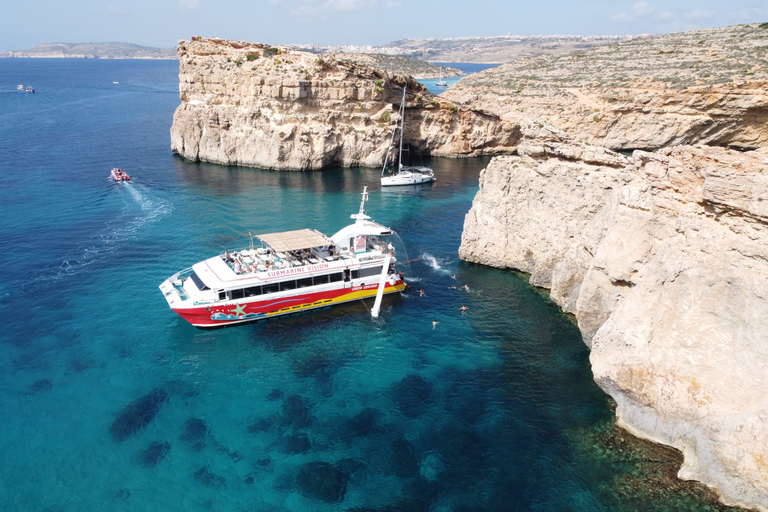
(115,82)
(30,89)
(120,175)
(20,87)
(441,82)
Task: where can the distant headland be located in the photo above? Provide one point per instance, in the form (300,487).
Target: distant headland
(485,50)
(92,51)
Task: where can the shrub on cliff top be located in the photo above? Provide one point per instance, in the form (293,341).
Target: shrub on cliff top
(251,57)
(269,52)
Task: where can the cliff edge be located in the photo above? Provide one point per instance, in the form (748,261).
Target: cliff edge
(703,86)
(663,259)
(277,108)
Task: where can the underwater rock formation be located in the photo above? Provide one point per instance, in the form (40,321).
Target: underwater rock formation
(322,481)
(296,412)
(195,433)
(412,395)
(137,415)
(153,454)
(205,477)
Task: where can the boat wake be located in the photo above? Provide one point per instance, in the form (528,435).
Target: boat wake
(125,227)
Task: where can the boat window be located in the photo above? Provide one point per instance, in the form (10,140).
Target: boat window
(253,291)
(335,277)
(270,288)
(237,294)
(355,274)
(321,279)
(198,282)
(222,295)
(372,271)
(303,283)
(287,285)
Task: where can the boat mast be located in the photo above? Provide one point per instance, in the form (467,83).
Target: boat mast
(361,216)
(402,128)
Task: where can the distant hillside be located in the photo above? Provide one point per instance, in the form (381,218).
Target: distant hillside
(93,51)
(493,49)
(486,50)
(700,86)
(398,65)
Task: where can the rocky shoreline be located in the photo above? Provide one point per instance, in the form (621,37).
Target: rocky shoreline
(276,108)
(662,257)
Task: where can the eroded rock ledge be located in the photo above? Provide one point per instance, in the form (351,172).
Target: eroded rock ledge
(703,86)
(663,259)
(276,108)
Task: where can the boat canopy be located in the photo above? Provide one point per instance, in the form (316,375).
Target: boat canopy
(295,240)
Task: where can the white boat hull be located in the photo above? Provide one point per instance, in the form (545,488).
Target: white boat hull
(407,177)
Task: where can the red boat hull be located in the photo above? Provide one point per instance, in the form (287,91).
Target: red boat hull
(241,311)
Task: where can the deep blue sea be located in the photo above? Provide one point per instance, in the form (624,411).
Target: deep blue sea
(109,401)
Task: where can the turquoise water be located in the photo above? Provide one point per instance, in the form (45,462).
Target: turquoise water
(431,83)
(111,402)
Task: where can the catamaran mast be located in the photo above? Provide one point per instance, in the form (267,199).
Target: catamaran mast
(402,128)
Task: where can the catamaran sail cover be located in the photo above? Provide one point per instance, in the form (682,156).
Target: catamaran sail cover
(295,240)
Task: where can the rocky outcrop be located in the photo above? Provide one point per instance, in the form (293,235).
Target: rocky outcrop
(277,108)
(698,87)
(663,259)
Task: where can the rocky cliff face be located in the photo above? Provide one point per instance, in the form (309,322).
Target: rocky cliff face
(663,259)
(276,108)
(699,87)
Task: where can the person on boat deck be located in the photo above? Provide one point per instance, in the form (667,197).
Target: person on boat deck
(390,248)
(331,248)
(238,268)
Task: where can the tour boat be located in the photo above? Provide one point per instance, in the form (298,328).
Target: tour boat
(404,174)
(292,272)
(120,175)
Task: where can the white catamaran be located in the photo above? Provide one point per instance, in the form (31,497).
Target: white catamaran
(403,174)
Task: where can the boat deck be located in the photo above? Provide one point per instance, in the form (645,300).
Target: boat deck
(252,261)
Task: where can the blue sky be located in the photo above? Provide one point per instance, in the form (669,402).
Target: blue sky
(162,23)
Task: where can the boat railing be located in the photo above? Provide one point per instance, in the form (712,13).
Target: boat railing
(177,281)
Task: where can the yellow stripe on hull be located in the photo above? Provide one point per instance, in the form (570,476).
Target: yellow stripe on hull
(347,297)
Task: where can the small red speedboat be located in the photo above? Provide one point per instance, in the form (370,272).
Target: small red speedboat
(120,175)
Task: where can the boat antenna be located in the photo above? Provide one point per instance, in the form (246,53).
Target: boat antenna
(361,214)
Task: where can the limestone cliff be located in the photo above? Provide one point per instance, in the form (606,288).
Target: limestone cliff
(699,87)
(277,108)
(663,259)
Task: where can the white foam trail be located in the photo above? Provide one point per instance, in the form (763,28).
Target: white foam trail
(435,263)
(116,232)
(145,203)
